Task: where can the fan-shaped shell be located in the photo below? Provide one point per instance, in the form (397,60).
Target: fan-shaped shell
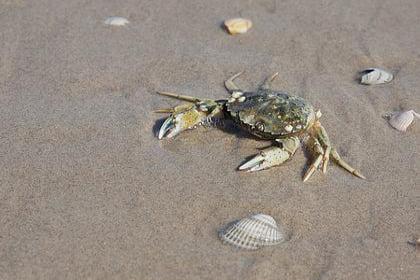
(375,76)
(116,21)
(402,120)
(238,25)
(253,232)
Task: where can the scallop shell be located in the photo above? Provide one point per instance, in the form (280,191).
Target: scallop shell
(402,120)
(375,76)
(116,21)
(252,232)
(238,25)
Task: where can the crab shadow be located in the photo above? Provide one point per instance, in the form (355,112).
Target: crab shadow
(157,126)
(309,157)
(231,128)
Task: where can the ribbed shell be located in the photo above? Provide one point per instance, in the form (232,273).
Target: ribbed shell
(252,232)
(402,120)
(271,114)
(375,76)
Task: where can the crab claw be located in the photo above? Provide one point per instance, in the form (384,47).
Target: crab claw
(168,128)
(267,158)
(182,118)
(272,156)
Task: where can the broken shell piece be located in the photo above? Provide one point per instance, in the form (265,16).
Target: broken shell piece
(237,94)
(401,120)
(252,232)
(415,243)
(116,21)
(375,76)
(288,128)
(238,25)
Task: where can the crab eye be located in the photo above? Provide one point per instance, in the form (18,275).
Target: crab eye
(259,126)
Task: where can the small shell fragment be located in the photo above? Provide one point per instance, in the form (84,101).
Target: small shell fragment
(401,120)
(375,76)
(237,94)
(288,128)
(116,21)
(238,25)
(415,243)
(252,232)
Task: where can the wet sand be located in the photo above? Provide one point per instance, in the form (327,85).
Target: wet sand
(88,191)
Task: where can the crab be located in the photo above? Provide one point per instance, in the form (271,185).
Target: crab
(284,119)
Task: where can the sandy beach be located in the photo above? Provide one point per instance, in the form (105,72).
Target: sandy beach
(89,192)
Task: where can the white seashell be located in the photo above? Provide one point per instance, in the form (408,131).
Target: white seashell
(116,21)
(402,120)
(252,232)
(288,128)
(241,99)
(238,25)
(237,94)
(375,76)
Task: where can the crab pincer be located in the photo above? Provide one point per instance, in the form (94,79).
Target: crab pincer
(272,156)
(186,116)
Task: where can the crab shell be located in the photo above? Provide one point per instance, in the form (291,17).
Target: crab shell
(271,114)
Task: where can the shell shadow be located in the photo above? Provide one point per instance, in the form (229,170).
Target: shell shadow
(225,227)
(358,76)
(223,27)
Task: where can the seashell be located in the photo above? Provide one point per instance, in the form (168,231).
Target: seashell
(252,232)
(401,120)
(375,76)
(237,94)
(415,243)
(116,21)
(238,25)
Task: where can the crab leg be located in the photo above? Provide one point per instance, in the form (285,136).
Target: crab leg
(272,156)
(179,96)
(230,85)
(164,110)
(344,164)
(324,140)
(267,83)
(315,164)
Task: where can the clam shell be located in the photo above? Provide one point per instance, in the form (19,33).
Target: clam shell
(375,76)
(238,25)
(116,21)
(253,232)
(402,120)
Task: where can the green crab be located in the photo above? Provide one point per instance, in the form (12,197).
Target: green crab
(284,119)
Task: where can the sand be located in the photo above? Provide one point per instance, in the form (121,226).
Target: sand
(89,192)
